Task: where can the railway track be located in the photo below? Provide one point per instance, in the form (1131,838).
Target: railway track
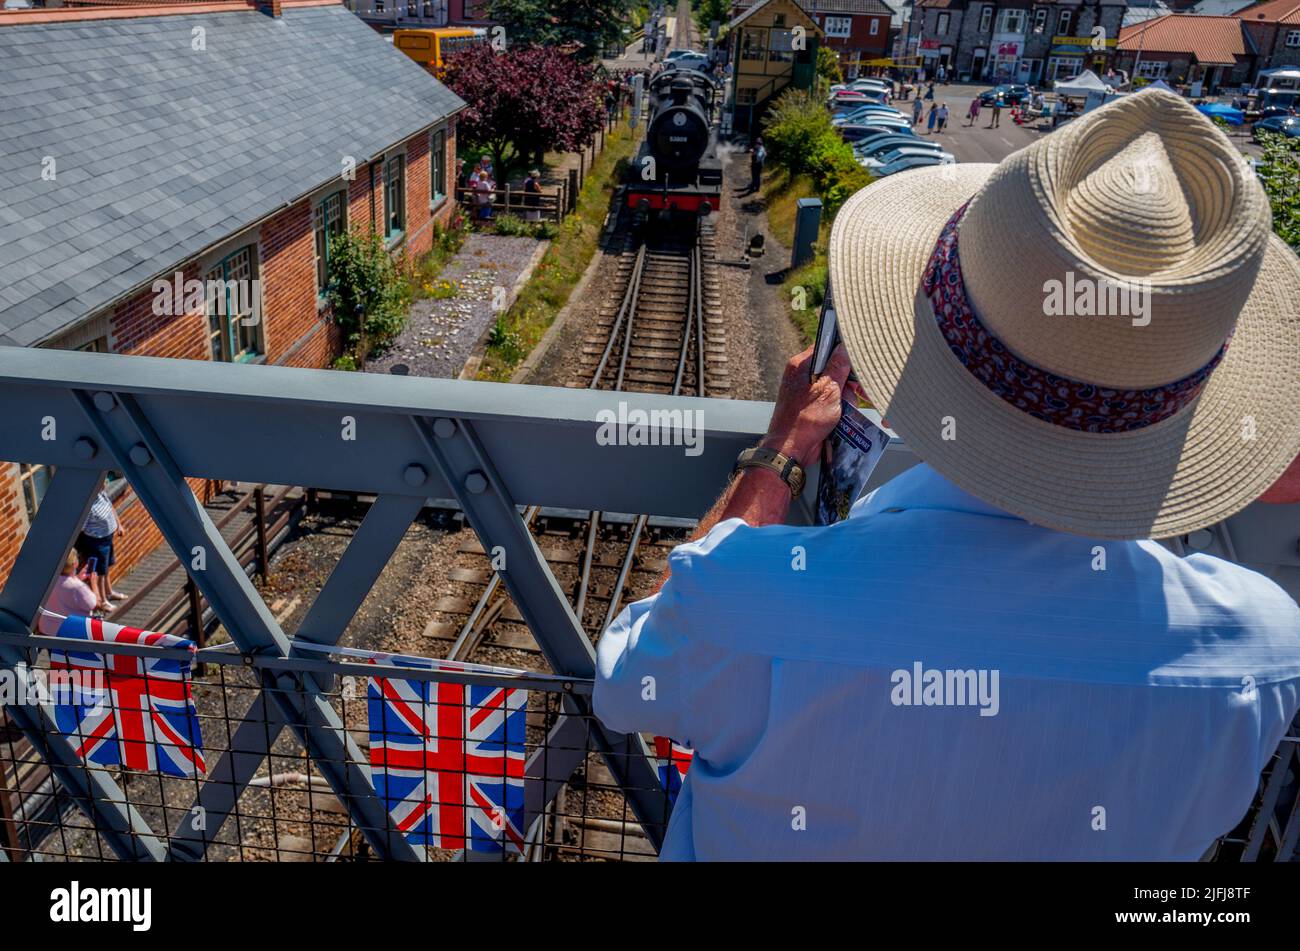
(658,332)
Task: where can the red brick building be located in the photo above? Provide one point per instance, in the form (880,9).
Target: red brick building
(273,167)
(857,30)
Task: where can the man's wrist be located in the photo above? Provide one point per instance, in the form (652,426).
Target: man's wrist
(787,445)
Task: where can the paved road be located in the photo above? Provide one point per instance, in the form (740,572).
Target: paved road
(983,144)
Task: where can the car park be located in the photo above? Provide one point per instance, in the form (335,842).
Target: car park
(877,134)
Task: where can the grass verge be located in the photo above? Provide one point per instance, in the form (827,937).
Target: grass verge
(519,329)
(806,286)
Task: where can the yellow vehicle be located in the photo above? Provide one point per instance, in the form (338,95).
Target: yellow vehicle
(430,47)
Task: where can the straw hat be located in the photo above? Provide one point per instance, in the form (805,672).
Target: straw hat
(1165,403)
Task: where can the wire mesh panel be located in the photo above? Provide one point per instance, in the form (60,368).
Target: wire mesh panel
(472,763)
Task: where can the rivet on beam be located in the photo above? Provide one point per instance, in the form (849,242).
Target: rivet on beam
(104,401)
(140,455)
(415,475)
(84,448)
(476,483)
(444,428)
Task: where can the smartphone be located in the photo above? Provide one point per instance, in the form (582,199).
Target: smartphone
(828,336)
(93,565)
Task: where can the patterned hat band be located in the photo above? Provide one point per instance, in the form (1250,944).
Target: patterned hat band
(1047,396)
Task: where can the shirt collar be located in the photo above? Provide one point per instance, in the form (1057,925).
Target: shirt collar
(920,487)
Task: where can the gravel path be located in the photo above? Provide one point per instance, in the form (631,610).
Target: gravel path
(441,334)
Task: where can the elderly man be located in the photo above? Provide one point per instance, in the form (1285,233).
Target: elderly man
(989,659)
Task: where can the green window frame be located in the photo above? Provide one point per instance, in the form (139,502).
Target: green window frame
(329,221)
(394,198)
(234,338)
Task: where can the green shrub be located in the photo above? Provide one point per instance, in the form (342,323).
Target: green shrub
(368,294)
(1279,172)
(512,226)
(801,138)
(345,362)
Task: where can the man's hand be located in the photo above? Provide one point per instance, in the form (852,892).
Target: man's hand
(806,412)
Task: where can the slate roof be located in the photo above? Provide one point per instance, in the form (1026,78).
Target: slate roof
(161,151)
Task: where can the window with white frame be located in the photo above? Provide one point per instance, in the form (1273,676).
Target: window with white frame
(1151,69)
(1012,21)
(986,19)
(1064,23)
(839,27)
(1293,38)
(437,166)
(234,307)
(875,27)
(941,26)
(1040,19)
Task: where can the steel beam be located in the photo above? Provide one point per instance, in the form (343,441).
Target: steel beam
(52,533)
(467,467)
(283,426)
(378,536)
(144,458)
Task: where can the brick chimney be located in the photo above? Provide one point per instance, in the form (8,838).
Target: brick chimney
(271,6)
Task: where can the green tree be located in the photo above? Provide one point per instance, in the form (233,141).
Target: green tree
(590,23)
(1279,172)
(828,67)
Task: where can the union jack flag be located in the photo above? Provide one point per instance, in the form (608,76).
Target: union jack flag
(448,760)
(674,761)
(121,710)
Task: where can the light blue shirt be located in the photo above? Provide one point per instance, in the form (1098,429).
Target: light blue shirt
(1116,709)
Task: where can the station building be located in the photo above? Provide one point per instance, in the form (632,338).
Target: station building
(220,141)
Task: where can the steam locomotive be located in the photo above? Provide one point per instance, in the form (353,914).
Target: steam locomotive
(677,171)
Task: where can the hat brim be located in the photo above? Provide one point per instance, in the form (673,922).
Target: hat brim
(1210,460)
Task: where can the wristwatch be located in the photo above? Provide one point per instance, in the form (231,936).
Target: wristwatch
(791,472)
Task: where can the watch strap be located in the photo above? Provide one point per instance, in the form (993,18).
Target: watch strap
(788,469)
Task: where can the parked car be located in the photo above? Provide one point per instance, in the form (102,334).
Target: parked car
(689,60)
(876,134)
(847,97)
(1288,126)
(1268,112)
(863,113)
(867,85)
(907,143)
(1011,94)
(861,132)
(900,160)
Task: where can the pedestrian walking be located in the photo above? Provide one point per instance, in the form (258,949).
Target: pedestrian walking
(943,73)
(930,118)
(995,116)
(929,91)
(917,106)
(974,112)
(942,116)
(757,159)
